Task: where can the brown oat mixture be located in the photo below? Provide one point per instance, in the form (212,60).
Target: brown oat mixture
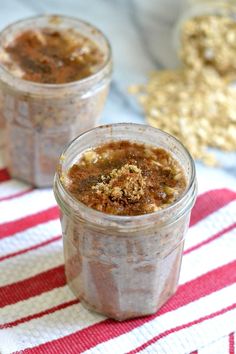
(126,178)
(52,57)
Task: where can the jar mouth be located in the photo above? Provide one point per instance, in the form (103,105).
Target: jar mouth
(36,86)
(188,195)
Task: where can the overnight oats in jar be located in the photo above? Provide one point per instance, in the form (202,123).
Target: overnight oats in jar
(125,192)
(54,75)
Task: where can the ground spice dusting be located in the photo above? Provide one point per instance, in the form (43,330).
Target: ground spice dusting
(196,103)
(126,178)
(52,56)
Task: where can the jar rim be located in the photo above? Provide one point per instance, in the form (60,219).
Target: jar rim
(37,86)
(191,188)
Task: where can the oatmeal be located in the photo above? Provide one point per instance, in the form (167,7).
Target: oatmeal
(55,77)
(126,178)
(51,56)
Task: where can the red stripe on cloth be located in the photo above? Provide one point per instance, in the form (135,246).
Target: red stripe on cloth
(39,314)
(12,227)
(25,250)
(4,175)
(210,239)
(105,330)
(36,285)
(231,344)
(16,195)
(178,328)
(202,286)
(209,202)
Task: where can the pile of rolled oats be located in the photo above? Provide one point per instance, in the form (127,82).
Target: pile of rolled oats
(195,103)
(209,41)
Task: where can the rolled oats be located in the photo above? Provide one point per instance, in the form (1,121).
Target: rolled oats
(210,41)
(195,103)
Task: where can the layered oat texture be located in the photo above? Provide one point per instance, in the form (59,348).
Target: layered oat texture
(123,276)
(42,118)
(123,267)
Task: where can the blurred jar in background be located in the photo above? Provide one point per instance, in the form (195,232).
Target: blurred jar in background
(42,116)
(205,36)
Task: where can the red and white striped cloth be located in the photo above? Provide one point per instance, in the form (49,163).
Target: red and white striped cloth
(39,314)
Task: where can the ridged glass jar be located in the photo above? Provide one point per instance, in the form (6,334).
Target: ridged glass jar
(123,266)
(42,118)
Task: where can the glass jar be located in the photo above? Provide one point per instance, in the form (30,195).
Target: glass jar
(42,118)
(123,266)
(210,44)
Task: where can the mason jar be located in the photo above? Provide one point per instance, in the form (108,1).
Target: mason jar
(41,118)
(123,266)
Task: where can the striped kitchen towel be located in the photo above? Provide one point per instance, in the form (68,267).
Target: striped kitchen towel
(39,314)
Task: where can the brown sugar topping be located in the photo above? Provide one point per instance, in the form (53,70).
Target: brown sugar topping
(125,184)
(53,57)
(126,178)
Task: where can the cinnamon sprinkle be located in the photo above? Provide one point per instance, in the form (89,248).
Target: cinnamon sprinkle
(126,178)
